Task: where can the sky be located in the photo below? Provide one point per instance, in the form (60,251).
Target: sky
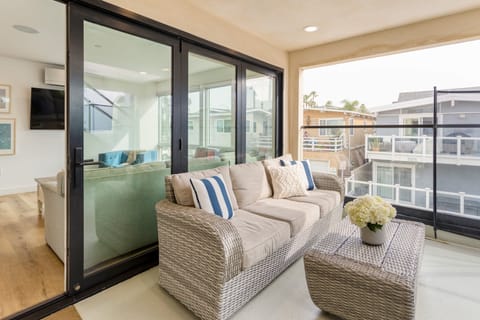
(378,81)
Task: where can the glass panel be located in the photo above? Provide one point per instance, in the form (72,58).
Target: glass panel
(127,134)
(458,173)
(260,116)
(408,183)
(211,113)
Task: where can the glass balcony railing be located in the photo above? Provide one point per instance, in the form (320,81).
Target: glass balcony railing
(452,150)
(459,203)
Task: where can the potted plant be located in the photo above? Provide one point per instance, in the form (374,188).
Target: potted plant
(371,214)
(375,144)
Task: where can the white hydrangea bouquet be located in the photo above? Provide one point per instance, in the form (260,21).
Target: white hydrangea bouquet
(370,211)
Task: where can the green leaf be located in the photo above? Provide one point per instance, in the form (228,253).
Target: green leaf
(374,226)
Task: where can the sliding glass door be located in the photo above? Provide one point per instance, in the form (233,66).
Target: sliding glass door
(124,163)
(260,115)
(120,143)
(211,112)
(144,105)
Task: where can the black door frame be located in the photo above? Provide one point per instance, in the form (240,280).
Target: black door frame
(77,280)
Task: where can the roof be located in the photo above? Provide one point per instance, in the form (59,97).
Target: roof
(327,109)
(425,98)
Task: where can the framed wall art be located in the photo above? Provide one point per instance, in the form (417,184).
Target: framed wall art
(5,99)
(7,137)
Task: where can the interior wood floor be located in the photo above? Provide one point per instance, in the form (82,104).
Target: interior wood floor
(69,313)
(29,270)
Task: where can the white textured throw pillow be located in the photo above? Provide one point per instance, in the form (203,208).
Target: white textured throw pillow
(211,195)
(307,176)
(287,181)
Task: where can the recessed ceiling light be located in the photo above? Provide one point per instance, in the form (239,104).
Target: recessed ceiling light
(25,29)
(142,73)
(97,45)
(165,69)
(310,28)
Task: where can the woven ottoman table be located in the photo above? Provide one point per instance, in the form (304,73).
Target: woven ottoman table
(357,281)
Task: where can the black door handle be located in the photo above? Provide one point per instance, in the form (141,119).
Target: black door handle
(88,162)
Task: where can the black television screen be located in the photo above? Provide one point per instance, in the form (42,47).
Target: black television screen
(47,109)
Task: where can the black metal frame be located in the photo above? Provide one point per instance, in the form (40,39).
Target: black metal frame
(438,220)
(79,285)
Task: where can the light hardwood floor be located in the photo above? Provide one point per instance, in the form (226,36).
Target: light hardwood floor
(29,270)
(69,313)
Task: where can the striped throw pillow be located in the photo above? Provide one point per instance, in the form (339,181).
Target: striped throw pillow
(211,195)
(307,177)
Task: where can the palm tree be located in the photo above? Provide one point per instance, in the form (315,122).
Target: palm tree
(329,103)
(350,105)
(363,109)
(309,99)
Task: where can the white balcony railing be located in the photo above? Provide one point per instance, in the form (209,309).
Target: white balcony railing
(329,144)
(450,202)
(454,150)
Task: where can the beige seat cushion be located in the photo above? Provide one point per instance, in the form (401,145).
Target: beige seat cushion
(249,183)
(183,191)
(326,200)
(299,215)
(260,236)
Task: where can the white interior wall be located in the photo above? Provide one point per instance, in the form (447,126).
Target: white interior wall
(134,128)
(39,153)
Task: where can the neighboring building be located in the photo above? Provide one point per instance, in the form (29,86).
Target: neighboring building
(335,150)
(400,159)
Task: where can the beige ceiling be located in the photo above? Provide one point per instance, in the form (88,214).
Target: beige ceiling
(278,22)
(47,17)
(281,22)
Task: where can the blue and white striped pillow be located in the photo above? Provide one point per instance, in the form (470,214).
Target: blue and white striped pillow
(211,195)
(307,178)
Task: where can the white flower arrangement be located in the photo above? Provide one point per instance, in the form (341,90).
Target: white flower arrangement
(370,211)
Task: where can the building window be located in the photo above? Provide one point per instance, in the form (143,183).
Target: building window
(331,131)
(223,125)
(190,124)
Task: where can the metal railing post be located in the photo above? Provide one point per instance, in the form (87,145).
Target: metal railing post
(397,193)
(424,145)
(370,188)
(462,202)
(393,146)
(459,146)
(427,198)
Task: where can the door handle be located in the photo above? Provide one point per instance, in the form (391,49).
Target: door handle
(88,162)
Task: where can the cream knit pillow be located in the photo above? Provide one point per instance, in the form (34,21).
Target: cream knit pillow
(287,181)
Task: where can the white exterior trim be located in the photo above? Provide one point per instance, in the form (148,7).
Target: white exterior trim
(394,165)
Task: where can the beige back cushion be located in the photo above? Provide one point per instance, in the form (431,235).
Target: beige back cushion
(249,182)
(275,163)
(183,191)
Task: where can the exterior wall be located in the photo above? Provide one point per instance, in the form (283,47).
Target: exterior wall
(358,138)
(448,29)
(351,143)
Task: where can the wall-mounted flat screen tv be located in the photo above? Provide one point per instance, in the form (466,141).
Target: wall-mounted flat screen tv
(47,109)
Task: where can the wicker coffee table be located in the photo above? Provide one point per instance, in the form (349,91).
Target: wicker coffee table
(356,281)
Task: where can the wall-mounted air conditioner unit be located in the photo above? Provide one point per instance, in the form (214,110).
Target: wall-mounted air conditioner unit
(54,76)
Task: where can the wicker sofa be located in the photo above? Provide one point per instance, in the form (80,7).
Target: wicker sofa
(213,265)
